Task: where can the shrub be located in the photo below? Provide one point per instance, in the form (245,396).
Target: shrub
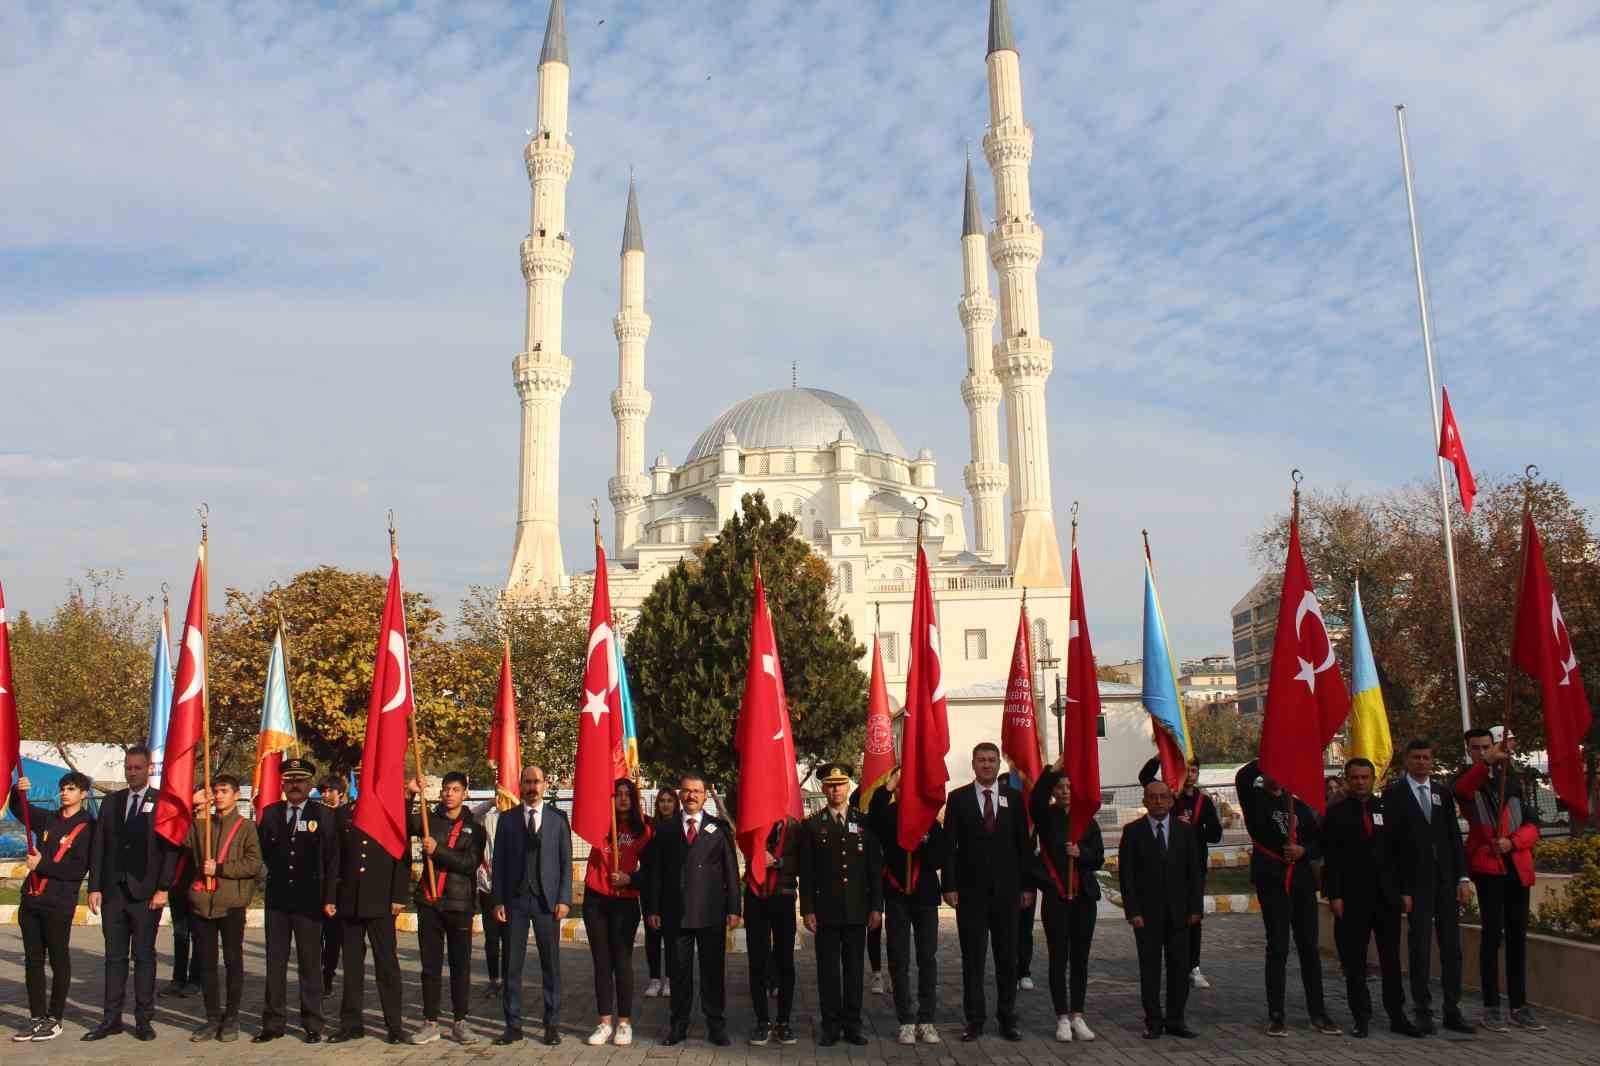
(1576,912)
(1565,855)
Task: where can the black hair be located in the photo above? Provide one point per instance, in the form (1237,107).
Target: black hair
(1470,734)
(655,807)
(138,749)
(454,777)
(635,817)
(1359,761)
(225,779)
(985,745)
(1419,744)
(78,781)
(332,783)
(693,775)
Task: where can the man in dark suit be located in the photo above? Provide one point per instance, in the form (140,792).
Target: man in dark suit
(131,868)
(1430,867)
(372,892)
(691,893)
(531,884)
(986,879)
(1196,809)
(1158,868)
(300,849)
(841,897)
(1358,879)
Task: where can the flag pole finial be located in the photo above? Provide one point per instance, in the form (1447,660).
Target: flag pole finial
(877,616)
(166,598)
(394,543)
(204,511)
(922,516)
(594,506)
(1145,534)
(1296,476)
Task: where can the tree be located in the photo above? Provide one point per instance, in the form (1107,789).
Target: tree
(1394,540)
(688,654)
(84,675)
(1220,734)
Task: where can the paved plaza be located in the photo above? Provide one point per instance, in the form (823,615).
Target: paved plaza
(1230,1018)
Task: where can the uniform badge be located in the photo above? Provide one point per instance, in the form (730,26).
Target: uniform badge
(1377,817)
(711,829)
(149,805)
(854,828)
(1003,802)
(1435,797)
(44,837)
(311,825)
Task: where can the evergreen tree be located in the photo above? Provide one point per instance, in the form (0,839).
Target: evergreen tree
(688,654)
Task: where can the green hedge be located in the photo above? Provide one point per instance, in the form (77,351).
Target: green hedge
(1576,913)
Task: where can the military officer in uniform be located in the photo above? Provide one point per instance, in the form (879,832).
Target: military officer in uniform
(372,892)
(841,897)
(300,849)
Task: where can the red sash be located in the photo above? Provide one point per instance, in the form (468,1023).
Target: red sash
(1288,867)
(200,885)
(1050,868)
(36,880)
(894,882)
(769,883)
(438,887)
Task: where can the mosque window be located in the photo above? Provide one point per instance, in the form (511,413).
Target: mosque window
(977,641)
(788,464)
(1041,636)
(766,465)
(816,531)
(949,525)
(890,643)
(846,579)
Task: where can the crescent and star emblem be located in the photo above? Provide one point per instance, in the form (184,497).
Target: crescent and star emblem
(595,703)
(938,663)
(1308,673)
(1559,625)
(195,645)
(769,666)
(397,652)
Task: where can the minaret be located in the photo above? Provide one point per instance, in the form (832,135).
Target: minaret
(980,389)
(630,403)
(1022,358)
(541,371)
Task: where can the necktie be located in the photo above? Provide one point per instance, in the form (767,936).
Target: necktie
(533,822)
(692,831)
(294,820)
(133,805)
(840,819)
(1423,801)
(1161,835)
(988,811)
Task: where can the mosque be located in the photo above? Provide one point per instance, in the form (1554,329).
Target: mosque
(836,466)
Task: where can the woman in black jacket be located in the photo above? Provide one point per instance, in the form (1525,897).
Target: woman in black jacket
(1071,898)
(658,948)
(57,864)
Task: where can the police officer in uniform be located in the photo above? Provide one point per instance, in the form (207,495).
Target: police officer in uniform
(300,849)
(841,897)
(372,893)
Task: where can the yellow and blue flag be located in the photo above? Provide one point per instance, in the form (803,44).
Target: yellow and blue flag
(1160,689)
(630,735)
(1369,720)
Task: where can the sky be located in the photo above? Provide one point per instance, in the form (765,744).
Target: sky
(264,255)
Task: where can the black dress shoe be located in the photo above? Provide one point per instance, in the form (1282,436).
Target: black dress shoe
(827,1038)
(1424,1024)
(144,1031)
(1183,1032)
(719,1038)
(1457,1024)
(344,1037)
(970,1033)
(395,1038)
(674,1036)
(855,1038)
(510,1036)
(103,1030)
(1360,1029)
(1324,1025)
(552,1036)
(1152,1031)
(1012,1034)
(312,1038)
(1403,1026)
(264,1037)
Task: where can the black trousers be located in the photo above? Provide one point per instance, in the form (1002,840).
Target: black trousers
(438,931)
(711,947)
(129,925)
(1285,914)
(521,915)
(1195,930)
(185,969)
(306,932)
(907,923)
(46,934)
(1435,912)
(612,922)
(1163,940)
(875,948)
(979,925)
(1025,919)
(658,953)
(1363,921)
(228,927)
(1503,902)
(332,943)
(494,935)
(359,933)
(841,966)
(769,928)
(1068,936)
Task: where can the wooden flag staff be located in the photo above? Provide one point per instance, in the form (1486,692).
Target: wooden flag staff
(416,743)
(205,683)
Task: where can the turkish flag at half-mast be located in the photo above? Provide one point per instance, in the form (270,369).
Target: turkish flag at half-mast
(877,752)
(1307,700)
(926,739)
(381,806)
(1083,715)
(10,729)
(1019,724)
(1542,648)
(1452,449)
(601,759)
(769,787)
(505,747)
(185,725)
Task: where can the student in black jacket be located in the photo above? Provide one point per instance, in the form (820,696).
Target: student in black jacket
(769,928)
(910,912)
(130,874)
(1286,885)
(987,878)
(1197,810)
(454,845)
(1071,897)
(58,861)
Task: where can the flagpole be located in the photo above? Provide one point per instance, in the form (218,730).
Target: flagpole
(1433,409)
(1061,717)
(1528,474)
(288,698)
(614,864)
(205,674)
(922,508)
(416,742)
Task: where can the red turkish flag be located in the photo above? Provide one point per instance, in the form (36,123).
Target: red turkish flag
(10,730)
(926,738)
(182,770)
(1542,648)
(505,747)
(769,787)
(1307,700)
(381,806)
(1082,724)
(600,753)
(1019,725)
(877,755)
(1451,448)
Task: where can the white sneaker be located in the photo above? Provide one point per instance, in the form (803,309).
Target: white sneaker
(877,981)
(666,989)
(624,1035)
(601,1035)
(1064,1029)
(25,1034)
(927,1033)
(653,989)
(426,1034)
(908,1034)
(1081,1030)
(461,1034)
(1025,985)
(1198,979)
(49,1029)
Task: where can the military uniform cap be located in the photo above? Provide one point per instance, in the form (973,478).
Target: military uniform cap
(301,768)
(835,773)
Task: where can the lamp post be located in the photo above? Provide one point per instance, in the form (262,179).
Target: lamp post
(1048,661)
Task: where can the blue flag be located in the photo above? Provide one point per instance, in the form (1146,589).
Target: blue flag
(160,701)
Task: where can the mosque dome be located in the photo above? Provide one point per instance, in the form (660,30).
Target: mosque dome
(797,418)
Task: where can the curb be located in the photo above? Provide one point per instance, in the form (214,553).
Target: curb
(1235,903)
